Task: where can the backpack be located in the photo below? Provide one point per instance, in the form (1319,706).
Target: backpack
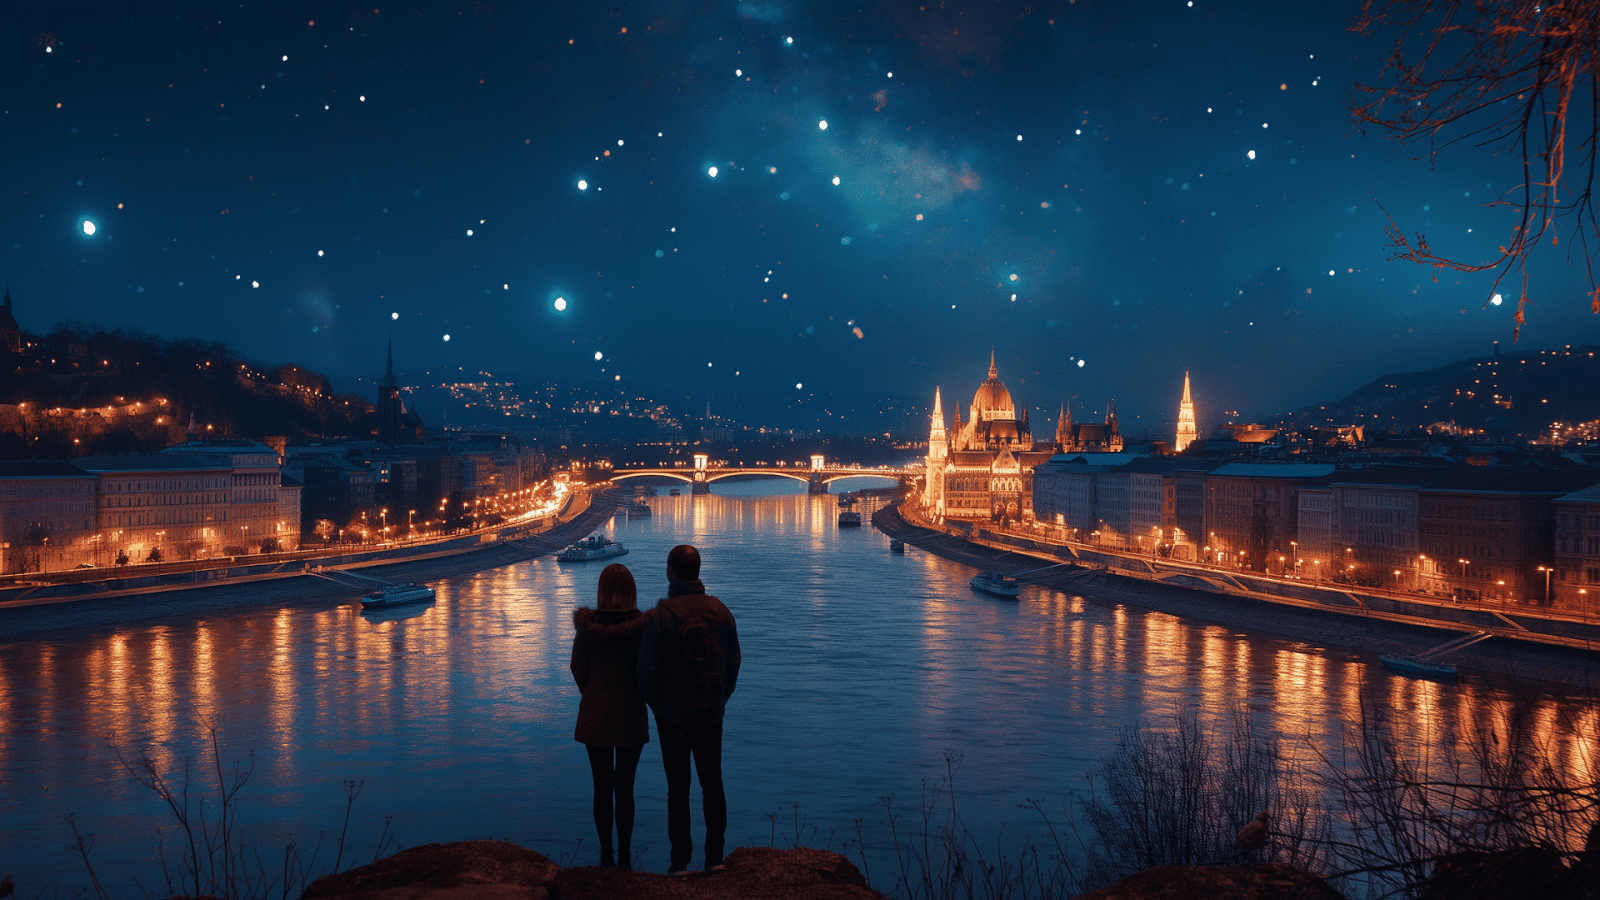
(704,661)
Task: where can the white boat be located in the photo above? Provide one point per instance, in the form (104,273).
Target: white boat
(595,546)
(996,584)
(396,596)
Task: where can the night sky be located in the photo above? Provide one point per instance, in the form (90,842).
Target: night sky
(1105,193)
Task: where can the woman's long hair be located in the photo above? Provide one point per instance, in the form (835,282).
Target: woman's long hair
(617,590)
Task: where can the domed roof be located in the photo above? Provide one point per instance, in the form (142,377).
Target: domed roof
(992,394)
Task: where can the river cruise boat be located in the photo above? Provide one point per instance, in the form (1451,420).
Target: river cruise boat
(639,510)
(595,546)
(398,595)
(996,584)
(647,491)
(674,492)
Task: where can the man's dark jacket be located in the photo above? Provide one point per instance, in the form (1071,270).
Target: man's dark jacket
(667,674)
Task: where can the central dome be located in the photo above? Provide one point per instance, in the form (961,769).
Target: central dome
(992,396)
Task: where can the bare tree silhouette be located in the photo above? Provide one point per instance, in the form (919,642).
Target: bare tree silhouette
(1505,75)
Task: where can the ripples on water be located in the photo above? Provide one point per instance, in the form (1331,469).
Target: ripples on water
(861,669)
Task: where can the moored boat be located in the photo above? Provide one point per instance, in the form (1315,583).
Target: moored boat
(896,545)
(396,596)
(1420,667)
(595,546)
(849,519)
(674,492)
(996,584)
(639,510)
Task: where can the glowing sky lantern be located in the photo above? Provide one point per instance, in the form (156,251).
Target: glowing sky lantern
(583,185)
(561,304)
(88,227)
(712,171)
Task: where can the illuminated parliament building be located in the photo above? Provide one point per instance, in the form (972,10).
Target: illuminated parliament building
(982,468)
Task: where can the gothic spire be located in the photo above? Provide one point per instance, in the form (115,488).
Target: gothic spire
(388,367)
(993,372)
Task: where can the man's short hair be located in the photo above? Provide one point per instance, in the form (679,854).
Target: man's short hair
(684,561)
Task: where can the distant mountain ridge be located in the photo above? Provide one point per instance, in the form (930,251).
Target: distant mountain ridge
(1510,394)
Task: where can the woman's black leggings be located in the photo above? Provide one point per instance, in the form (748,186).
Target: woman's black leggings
(614,780)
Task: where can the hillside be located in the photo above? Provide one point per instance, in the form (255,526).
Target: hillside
(1509,394)
(82,390)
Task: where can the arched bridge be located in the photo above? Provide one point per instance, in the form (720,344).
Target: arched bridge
(816,476)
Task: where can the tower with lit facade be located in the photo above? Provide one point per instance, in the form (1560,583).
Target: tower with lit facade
(938,455)
(1186,430)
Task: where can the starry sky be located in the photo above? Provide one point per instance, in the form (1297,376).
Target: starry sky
(774,206)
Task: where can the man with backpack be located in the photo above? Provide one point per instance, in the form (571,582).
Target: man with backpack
(688,666)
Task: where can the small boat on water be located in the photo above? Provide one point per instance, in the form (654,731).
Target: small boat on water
(396,596)
(1420,667)
(639,510)
(996,584)
(849,518)
(595,546)
(896,545)
(647,491)
(674,492)
(1430,663)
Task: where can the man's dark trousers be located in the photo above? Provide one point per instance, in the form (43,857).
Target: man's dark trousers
(704,742)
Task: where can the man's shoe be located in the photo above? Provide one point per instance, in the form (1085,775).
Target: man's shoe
(719,867)
(677,873)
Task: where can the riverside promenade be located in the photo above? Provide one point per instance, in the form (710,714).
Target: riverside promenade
(1560,649)
(30,610)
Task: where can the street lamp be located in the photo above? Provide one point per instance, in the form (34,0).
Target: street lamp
(1546,570)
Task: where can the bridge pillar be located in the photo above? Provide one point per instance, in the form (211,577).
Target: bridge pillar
(815,484)
(700,487)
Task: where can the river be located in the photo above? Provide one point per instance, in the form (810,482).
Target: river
(862,670)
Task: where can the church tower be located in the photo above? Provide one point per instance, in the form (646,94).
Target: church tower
(938,457)
(10,332)
(389,411)
(1186,429)
(1064,438)
(938,443)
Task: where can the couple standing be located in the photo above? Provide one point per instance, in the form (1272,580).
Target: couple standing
(682,659)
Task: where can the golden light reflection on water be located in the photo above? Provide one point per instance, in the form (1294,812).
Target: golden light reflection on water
(459,712)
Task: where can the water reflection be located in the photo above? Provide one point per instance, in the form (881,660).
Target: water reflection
(861,669)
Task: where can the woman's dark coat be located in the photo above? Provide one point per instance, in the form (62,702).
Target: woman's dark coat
(604,653)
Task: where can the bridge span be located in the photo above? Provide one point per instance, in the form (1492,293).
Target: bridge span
(816,476)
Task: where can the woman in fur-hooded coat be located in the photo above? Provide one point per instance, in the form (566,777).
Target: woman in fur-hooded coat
(612,723)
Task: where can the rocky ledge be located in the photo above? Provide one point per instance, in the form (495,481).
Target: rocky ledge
(494,870)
